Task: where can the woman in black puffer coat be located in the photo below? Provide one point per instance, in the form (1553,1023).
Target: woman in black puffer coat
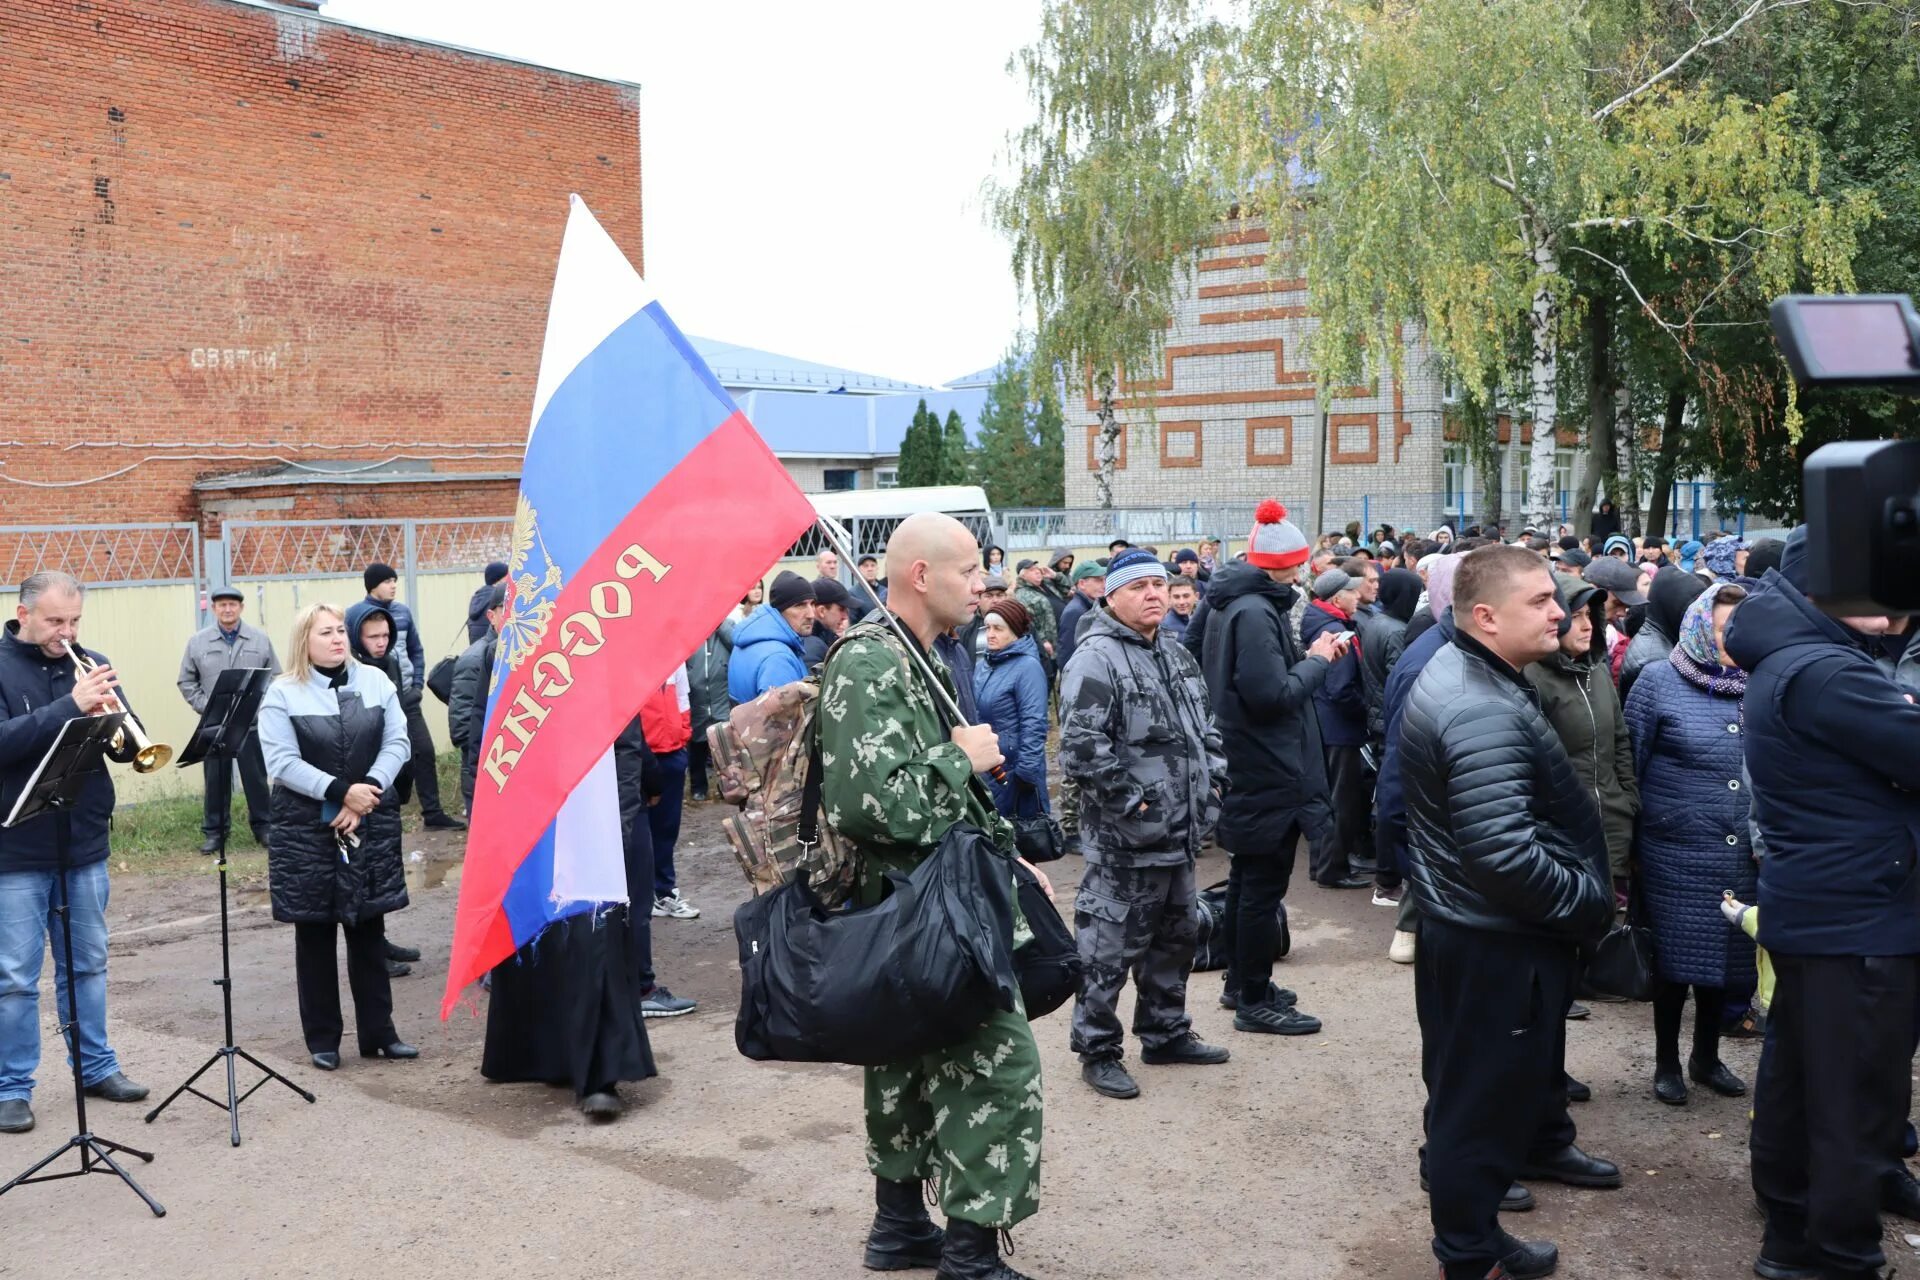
(335,737)
(1694,838)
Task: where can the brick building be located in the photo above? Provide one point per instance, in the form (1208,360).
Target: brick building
(1234,417)
(249,246)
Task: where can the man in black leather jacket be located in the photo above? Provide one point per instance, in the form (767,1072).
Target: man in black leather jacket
(1509,869)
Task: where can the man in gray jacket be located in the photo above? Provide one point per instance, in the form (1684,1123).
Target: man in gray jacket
(467,701)
(228,644)
(1137,736)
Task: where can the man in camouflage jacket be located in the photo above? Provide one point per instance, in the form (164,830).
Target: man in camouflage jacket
(896,776)
(1046,623)
(1137,735)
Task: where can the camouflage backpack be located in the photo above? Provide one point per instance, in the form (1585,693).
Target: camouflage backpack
(766,756)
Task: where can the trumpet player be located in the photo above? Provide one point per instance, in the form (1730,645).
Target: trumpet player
(228,644)
(41,688)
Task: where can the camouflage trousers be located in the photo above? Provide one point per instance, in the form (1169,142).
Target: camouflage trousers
(968,1116)
(1070,809)
(1136,920)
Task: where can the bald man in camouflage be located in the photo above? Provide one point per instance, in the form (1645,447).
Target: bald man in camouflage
(898,774)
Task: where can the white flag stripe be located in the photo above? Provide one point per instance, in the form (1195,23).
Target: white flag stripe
(589,860)
(595,291)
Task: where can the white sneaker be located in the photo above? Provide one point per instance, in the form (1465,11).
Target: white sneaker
(1401,951)
(676,906)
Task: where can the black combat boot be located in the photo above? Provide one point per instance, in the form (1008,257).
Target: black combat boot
(973,1253)
(903,1236)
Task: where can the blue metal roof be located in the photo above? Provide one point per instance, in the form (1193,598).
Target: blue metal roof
(978,378)
(750,369)
(796,424)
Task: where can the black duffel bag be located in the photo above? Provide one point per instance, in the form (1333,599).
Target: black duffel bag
(1049,966)
(1210,914)
(915,973)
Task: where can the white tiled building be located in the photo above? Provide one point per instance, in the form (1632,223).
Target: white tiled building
(1234,418)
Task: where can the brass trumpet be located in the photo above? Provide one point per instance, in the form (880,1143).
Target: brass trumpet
(148,755)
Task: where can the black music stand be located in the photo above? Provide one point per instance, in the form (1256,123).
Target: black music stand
(223,727)
(52,790)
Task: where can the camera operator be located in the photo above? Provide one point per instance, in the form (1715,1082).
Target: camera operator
(1830,743)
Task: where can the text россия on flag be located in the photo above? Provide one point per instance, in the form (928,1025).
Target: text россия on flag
(648,505)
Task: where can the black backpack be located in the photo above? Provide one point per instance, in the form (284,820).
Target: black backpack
(1210,911)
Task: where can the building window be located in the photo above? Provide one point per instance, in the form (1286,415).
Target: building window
(1562,477)
(839,479)
(886,477)
(1269,442)
(1179,444)
(1454,478)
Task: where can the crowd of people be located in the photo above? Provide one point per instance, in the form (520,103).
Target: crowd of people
(1513,744)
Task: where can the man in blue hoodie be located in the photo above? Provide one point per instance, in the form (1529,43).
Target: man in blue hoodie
(1830,744)
(767,649)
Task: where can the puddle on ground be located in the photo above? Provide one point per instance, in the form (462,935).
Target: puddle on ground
(432,870)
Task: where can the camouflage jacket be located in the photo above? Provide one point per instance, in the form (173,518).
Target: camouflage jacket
(892,779)
(1137,733)
(1046,625)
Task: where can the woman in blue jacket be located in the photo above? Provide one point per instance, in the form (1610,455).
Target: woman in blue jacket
(1684,717)
(1010,686)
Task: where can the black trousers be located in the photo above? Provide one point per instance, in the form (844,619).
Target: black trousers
(699,755)
(1350,790)
(1493,1041)
(1256,886)
(317,974)
(218,776)
(1834,1089)
(637,852)
(422,776)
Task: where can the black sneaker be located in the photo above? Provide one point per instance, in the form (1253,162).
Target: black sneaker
(1109,1078)
(444,822)
(662,1003)
(1230,997)
(1188,1051)
(1275,1020)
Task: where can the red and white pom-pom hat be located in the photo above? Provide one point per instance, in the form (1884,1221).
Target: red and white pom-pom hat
(1276,542)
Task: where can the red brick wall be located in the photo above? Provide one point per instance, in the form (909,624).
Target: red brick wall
(234,234)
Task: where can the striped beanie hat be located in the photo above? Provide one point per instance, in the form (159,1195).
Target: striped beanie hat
(1132,565)
(1276,542)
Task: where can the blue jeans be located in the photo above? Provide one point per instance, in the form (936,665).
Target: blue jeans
(663,819)
(27,925)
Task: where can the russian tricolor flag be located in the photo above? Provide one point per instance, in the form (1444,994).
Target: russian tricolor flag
(648,506)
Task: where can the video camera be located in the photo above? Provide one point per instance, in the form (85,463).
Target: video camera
(1862,496)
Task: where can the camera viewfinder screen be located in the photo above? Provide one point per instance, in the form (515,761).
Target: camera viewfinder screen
(1849,338)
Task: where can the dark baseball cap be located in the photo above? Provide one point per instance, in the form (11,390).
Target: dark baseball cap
(1618,579)
(829,591)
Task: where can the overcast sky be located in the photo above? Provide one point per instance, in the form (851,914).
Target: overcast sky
(811,172)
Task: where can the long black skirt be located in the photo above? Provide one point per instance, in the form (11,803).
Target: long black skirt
(565,1009)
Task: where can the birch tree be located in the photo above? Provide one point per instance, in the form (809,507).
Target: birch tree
(1102,209)
(1443,160)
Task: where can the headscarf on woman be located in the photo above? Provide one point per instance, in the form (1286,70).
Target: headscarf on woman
(1719,556)
(1696,654)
